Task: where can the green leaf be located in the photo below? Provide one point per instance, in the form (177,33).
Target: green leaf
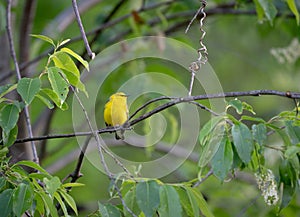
(49,205)
(65,62)
(34,166)
(292,151)
(289,180)
(63,42)
(61,203)
(169,202)
(72,185)
(53,96)
(22,199)
(70,201)
(243,141)
(58,83)
(208,128)
(108,210)
(198,202)
(130,200)
(223,159)
(259,133)
(28,88)
(39,205)
(248,108)
(7,89)
(189,206)
(212,146)
(6,202)
(45,101)
(44,38)
(2,183)
(293,8)
(250,118)
(293,132)
(9,116)
(237,104)
(269,9)
(52,185)
(75,81)
(10,138)
(259,11)
(76,56)
(147,196)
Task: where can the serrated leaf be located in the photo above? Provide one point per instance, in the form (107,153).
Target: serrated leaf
(44,38)
(6,202)
(130,200)
(28,88)
(237,104)
(58,83)
(147,196)
(243,141)
(70,201)
(22,199)
(223,159)
(108,210)
(52,185)
(293,8)
(10,138)
(169,202)
(259,133)
(208,128)
(7,89)
(213,144)
(76,56)
(9,116)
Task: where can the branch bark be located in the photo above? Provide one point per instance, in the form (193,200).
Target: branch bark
(173,101)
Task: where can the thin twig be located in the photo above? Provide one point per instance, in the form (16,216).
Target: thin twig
(148,103)
(83,35)
(175,100)
(220,9)
(14,57)
(204,108)
(100,151)
(204,178)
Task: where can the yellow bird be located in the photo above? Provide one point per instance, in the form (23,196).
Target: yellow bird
(116,112)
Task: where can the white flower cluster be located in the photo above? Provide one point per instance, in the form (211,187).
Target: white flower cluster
(289,54)
(267,184)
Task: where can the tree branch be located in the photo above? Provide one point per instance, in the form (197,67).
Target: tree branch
(174,101)
(14,57)
(227,9)
(83,35)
